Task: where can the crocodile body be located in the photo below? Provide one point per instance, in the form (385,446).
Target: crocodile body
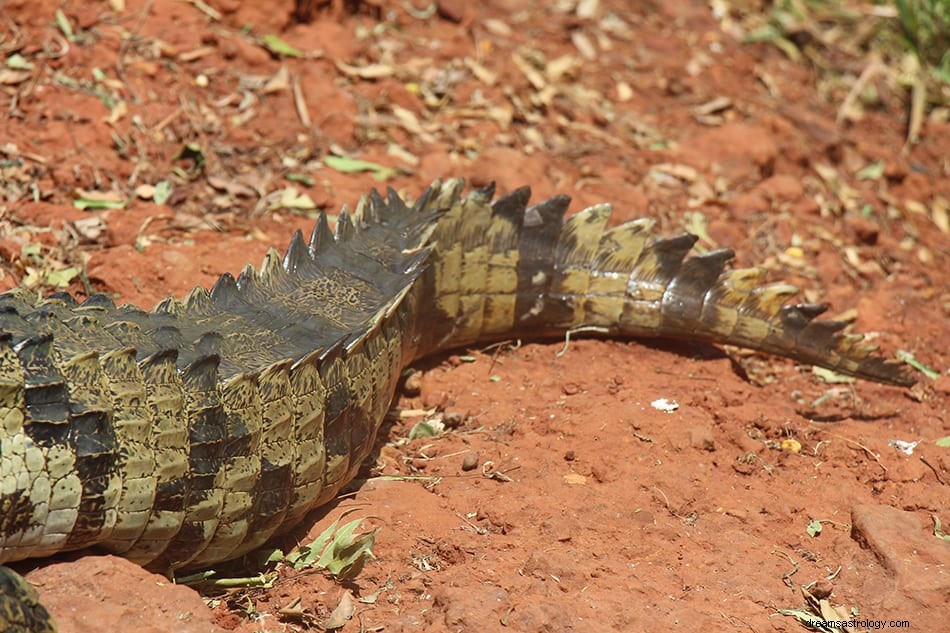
(191,434)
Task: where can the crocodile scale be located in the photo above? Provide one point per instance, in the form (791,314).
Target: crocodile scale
(191,434)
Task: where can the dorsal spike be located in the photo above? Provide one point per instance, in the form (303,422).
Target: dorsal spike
(168,305)
(661,260)
(395,206)
(512,206)
(99,300)
(167,337)
(66,298)
(198,301)
(202,373)
(375,203)
(345,229)
(488,191)
(321,236)
(209,344)
(683,301)
(271,268)
(224,289)
(246,278)
(547,211)
(422,202)
(296,255)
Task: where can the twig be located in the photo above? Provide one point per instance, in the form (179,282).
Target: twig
(299,103)
(579,330)
(867,450)
(867,74)
(936,473)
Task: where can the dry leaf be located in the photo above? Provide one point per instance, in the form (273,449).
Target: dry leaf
(342,613)
(369,71)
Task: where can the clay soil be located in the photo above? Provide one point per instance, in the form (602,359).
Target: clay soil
(588,509)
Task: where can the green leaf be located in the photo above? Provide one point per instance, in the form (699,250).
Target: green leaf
(279,47)
(89,203)
(163,191)
(347,165)
(832,377)
(422,429)
(907,357)
(290,198)
(345,556)
(301,178)
(814,528)
(61,278)
(943,442)
(18,62)
(874,171)
(308,555)
(938,529)
(62,23)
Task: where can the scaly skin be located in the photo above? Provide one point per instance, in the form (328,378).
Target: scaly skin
(191,434)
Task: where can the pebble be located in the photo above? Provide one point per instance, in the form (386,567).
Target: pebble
(470,461)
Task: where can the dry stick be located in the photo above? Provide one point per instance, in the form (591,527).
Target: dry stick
(936,473)
(124,48)
(918,101)
(867,74)
(867,450)
(300,103)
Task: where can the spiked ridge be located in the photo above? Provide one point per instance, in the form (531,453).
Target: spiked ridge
(190,434)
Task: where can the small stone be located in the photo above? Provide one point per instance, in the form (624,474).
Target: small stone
(412,387)
(570,388)
(470,461)
(569,456)
(822,589)
(453,10)
(452,420)
(942,384)
(702,437)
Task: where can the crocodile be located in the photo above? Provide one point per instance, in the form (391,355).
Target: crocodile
(191,434)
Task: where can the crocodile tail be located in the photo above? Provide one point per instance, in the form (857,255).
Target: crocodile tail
(505,268)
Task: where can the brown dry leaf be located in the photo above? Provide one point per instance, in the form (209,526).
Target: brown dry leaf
(940,213)
(481,73)
(103,196)
(574,479)
(714,106)
(587,9)
(198,53)
(677,171)
(342,613)
(584,46)
(369,71)
(533,76)
(117,113)
(562,67)
(278,83)
(497,27)
(91,228)
(10,77)
(624,91)
(232,187)
(408,120)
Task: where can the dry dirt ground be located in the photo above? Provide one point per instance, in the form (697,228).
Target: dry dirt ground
(588,508)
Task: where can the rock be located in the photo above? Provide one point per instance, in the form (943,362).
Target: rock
(108,593)
(905,545)
(702,438)
(467,608)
